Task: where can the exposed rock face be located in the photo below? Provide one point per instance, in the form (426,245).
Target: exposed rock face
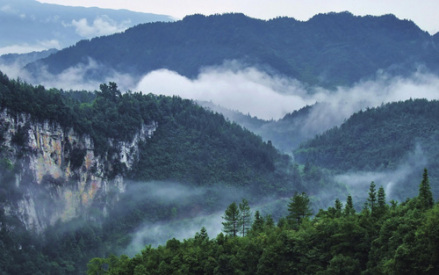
(59,172)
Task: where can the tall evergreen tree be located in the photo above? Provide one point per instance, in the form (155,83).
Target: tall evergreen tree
(244,209)
(425,197)
(258,223)
(372,197)
(299,208)
(338,208)
(349,207)
(232,220)
(381,203)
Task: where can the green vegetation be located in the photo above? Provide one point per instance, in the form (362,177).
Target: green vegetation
(328,50)
(379,139)
(381,239)
(191,146)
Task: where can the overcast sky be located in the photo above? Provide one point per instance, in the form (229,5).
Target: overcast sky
(423,12)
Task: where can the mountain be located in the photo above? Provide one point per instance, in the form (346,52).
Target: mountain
(397,136)
(327,50)
(33,26)
(82,172)
(23,59)
(286,134)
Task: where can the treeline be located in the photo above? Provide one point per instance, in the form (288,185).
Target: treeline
(330,50)
(382,238)
(192,146)
(381,139)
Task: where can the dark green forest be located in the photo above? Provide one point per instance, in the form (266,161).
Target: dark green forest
(334,49)
(379,139)
(191,146)
(381,238)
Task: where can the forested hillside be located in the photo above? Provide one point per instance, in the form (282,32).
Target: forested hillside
(378,139)
(382,238)
(327,50)
(213,159)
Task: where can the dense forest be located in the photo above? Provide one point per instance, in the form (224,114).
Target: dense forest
(379,139)
(191,146)
(381,238)
(330,50)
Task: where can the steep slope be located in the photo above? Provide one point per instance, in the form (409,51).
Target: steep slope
(286,134)
(381,139)
(23,59)
(328,50)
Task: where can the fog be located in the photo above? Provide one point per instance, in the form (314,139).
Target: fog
(101,25)
(248,90)
(73,78)
(404,179)
(190,209)
(252,91)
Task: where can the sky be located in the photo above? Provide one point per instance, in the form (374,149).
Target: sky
(422,12)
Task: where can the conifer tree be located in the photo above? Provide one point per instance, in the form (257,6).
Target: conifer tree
(299,208)
(232,222)
(338,208)
(381,203)
(245,216)
(258,224)
(372,197)
(425,197)
(349,207)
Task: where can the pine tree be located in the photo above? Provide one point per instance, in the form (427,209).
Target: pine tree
(232,222)
(349,209)
(299,208)
(381,203)
(258,224)
(425,197)
(338,208)
(244,209)
(372,197)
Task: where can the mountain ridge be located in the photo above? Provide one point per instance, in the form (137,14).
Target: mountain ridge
(327,50)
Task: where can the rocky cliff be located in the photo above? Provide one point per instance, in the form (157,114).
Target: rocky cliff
(58,173)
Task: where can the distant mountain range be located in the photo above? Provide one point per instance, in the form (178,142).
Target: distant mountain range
(328,50)
(28,25)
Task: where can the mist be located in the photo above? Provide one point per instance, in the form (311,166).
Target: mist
(249,90)
(395,182)
(252,91)
(73,78)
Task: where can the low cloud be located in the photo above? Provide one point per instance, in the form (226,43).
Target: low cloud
(252,91)
(73,78)
(27,48)
(247,90)
(102,25)
(393,181)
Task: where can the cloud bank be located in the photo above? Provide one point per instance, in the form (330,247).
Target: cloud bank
(252,91)
(101,25)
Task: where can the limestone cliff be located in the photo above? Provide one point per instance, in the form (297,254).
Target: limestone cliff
(58,172)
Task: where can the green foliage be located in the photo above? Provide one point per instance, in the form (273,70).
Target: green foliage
(403,240)
(425,196)
(232,220)
(382,138)
(299,208)
(328,50)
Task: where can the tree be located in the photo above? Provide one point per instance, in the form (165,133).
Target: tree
(349,209)
(338,207)
(258,224)
(382,207)
(425,197)
(232,221)
(299,208)
(244,209)
(372,197)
